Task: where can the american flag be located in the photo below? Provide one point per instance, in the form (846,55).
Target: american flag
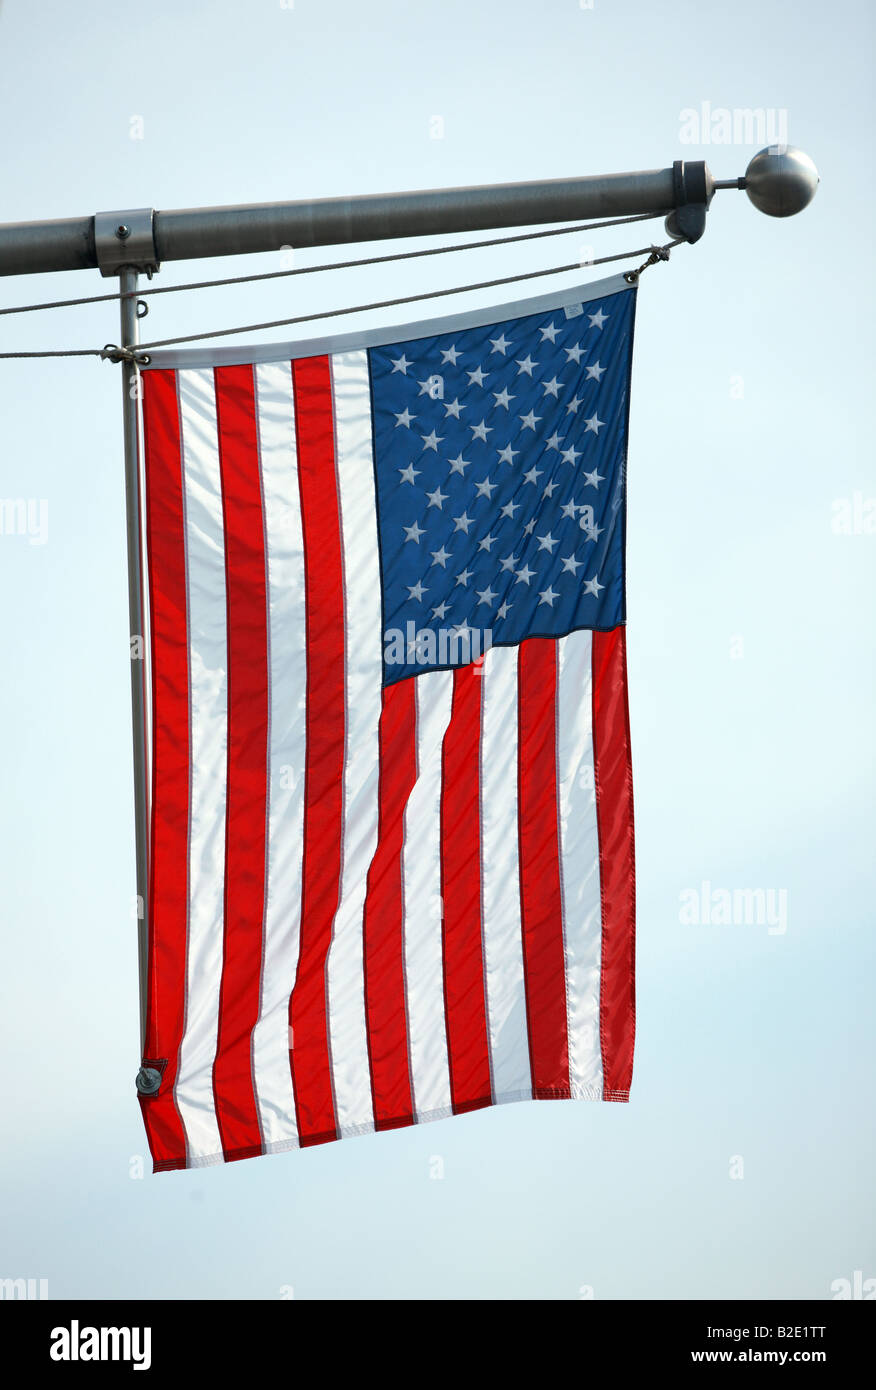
(391,824)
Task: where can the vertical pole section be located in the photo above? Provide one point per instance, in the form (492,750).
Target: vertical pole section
(130,412)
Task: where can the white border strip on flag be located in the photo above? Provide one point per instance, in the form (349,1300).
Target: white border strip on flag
(384,335)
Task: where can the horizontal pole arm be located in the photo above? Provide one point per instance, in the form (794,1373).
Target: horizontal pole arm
(191,233)
(28,248)
(338,221)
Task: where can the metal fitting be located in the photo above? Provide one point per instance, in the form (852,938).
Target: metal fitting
(126,239)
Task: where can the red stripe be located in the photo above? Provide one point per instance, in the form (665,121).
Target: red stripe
(168,858)
(324,758)
(385,1009)
(247,753)
(464,1001)
(617,869)
(541,905)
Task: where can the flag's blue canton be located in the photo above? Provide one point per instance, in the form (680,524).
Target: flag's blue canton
(500,478)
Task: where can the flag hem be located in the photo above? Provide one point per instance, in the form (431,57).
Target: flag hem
(444,1112)
(252,354)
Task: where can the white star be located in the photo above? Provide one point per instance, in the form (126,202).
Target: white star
(510,509)
(529,527)
(503,611)
(440,610)
(592,533)
(549,490)
(592,586)
(431,441)
(461,629)
(548,596)
(486,543)
(530,421)
(450,355)
(594,424)
(453,408)
(507,455)
(440,557)
(572,407)
(413,533)
(524,575)
(509,562)
(432,387)
(596,372)
(574,353)
(569,510)
(500,344)
(404,418)
(400,364)
(594,479)
(571,564)
(481,431)
(463,577)
(549,333)
(551,388)
(503,398)
(462,523)
(437,498)
(409,474)
(477,377)
(553,442)
(459,465)
(531,476)
(526,365)
(570,455)
(547,543)
(417,591)
(486,596)
(598,319)
(485,489)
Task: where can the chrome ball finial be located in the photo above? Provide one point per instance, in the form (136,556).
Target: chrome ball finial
(781,180)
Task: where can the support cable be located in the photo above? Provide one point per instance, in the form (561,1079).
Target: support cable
(111,352)
(335,265)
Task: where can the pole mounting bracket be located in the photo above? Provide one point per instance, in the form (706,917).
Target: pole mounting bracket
(126,239)
(693,187)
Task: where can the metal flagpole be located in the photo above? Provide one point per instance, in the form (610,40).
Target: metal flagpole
(779,181)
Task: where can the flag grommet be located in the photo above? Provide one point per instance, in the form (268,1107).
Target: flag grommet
(148,1081)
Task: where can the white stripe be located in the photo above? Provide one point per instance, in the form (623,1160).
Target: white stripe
(422,907)
(272,1077)
(363,655)
(208,687)
(503,940)
(579,862)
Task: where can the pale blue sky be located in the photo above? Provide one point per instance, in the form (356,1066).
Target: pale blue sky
(752,770)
